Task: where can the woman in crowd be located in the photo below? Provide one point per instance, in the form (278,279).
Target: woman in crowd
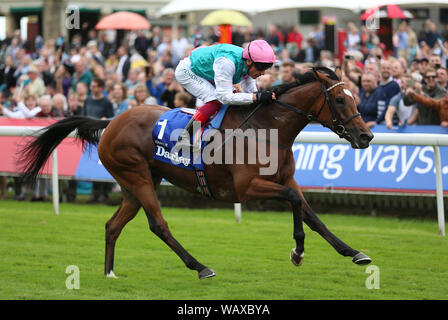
(25,109)
(118,97)
(142,97)
(74,108)
(59,105)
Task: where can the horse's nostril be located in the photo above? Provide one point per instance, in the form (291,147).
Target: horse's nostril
(365,137)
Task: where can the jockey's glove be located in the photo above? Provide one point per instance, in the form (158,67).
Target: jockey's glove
(264,96)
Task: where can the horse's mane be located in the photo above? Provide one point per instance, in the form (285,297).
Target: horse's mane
(301,79)
(304,78)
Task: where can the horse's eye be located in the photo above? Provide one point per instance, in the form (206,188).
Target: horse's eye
(340,100)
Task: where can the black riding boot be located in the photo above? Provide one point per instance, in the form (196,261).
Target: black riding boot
(184,138)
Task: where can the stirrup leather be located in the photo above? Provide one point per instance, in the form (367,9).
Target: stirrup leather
(184,138)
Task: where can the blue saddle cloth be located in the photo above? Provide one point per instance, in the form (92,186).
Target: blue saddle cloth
(167,130)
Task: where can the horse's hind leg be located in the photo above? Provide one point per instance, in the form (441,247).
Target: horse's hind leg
(139,182)
(313,221)
(127,211)
(159,226)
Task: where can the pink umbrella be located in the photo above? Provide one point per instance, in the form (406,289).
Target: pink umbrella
(389,11)
(123,20)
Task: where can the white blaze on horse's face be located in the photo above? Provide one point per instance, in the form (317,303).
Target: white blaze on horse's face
(348,92)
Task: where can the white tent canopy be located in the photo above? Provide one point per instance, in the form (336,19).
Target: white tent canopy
(421,3)
(259,6)
(353,5)
(183,6)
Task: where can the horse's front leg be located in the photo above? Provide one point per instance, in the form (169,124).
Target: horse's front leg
(264,189)
(313,221)
(298,253)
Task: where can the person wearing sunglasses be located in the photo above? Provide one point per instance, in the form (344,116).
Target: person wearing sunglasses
(210,73)
(426,116)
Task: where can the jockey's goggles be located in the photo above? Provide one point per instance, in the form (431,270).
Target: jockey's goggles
(260,66)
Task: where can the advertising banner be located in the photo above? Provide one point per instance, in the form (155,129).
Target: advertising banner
(69,151)
(382,168)
(389,168)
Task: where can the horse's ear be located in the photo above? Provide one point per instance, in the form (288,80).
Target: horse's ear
(338,72)
(319,76)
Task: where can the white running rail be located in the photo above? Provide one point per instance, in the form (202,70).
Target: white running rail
(420,139)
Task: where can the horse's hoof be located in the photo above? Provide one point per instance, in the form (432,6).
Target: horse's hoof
(361,259)
(296,259)
(206,273)
(112,275)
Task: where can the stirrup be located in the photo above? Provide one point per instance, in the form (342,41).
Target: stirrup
(183,141)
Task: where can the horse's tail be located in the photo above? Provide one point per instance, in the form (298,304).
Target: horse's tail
(35,153)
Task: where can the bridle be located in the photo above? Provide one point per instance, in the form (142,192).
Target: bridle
(337,125)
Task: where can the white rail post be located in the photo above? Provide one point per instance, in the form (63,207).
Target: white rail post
(439,184)
(237,207)
(55,181)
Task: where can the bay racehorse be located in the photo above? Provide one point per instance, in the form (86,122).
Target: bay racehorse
(126,150)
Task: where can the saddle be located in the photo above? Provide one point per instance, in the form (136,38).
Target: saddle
(165,135)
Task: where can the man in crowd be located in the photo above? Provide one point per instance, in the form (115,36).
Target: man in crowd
(265,82)
(388,88)
(422,66)
(370,95)
(99,107)
(124,63)
(442,77)
(397,112)
(435,61)
(387,83)
(287,72)
(167,80)
(439,105)
(36,85)
(7,70)
(431,89)
(397,71)
(372,67)
(82,74)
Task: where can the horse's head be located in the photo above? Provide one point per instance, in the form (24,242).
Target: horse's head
(337,109)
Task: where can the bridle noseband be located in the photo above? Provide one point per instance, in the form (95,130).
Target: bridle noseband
(337,126)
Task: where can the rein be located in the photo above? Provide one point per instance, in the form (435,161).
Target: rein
(338,126)
(241,124)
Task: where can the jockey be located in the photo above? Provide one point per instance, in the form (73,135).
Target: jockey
(209,74)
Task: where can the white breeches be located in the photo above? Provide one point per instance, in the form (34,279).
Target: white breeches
(197,86)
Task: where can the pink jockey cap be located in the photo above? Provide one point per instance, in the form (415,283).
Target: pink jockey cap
(259,51)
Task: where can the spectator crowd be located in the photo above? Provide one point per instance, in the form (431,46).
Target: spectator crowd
(99,77)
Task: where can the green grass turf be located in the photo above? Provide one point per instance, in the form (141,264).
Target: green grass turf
(251,258)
